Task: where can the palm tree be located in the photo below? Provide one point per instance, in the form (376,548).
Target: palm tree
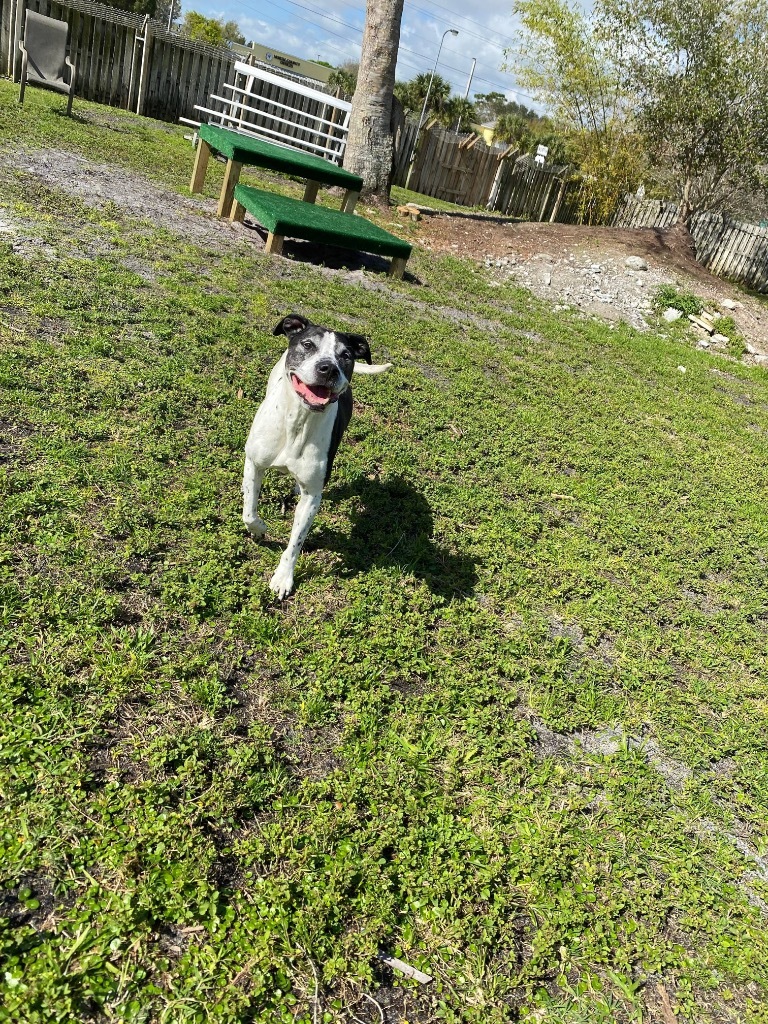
(369,144)
(412,93)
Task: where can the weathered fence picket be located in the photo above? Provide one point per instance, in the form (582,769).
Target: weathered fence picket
(725,246)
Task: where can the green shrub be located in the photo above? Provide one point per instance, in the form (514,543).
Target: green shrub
(667,295)
(736,344)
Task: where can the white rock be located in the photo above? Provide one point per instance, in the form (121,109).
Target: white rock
(729,304)
(719,339)
(751,350)
(681,369)
(635,263)
(671,314)
(547,279)
(703,343)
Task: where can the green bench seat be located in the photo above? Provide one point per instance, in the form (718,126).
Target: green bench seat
(283,216)
(242,150)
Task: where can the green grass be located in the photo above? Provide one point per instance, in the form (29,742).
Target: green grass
(212,799)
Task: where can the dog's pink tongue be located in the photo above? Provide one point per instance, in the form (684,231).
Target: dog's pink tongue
(315,394)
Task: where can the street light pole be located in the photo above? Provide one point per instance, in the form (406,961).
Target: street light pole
(448,31)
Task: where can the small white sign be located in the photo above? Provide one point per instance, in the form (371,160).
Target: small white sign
(542,150)
(539,159)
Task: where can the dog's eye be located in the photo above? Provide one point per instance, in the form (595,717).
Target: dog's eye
(345,355)
(307,345)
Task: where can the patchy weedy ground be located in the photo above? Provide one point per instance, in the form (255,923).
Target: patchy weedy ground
(512,726)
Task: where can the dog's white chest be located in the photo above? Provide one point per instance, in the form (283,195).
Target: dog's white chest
(287,435)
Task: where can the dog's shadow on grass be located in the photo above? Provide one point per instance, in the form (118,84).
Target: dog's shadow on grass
(393,525)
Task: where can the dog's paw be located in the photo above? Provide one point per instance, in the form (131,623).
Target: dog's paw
(282,582)
(256,527)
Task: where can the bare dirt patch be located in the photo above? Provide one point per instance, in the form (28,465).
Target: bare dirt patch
(585,267)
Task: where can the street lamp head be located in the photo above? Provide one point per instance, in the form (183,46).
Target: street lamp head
(453,31)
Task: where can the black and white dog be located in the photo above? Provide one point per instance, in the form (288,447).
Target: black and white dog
(299,425)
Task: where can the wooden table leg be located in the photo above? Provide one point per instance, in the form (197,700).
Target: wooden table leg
(231,178)
(310,191)
(238,213)
(200,167)
(350,201)
(397,267)
(274,244)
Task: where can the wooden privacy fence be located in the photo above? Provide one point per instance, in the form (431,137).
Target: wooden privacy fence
(128,61)
(461,169)
(529,190)
(451,167)
(726,247)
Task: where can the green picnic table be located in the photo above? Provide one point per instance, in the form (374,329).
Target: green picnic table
(244,149)
(282,216)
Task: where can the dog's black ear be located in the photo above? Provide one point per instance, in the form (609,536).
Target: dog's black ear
(291,324)
(358,343)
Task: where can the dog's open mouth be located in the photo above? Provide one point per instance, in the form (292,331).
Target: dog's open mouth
(316,395)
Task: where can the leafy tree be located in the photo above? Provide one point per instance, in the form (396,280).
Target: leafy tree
(232,33)
(698,74)
(134,6)
(457,112)
(210,30)
(413,92)
(344,77)
(669,91)
(576,70)
(492,105)
(513,128)
(163,11)
(370,141)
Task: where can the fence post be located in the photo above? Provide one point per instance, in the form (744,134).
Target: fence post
(15,28)
(132,77)
(543,209)
(560,194)
(144,73)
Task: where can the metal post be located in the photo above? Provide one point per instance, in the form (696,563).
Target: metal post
(466,91)
(448,31)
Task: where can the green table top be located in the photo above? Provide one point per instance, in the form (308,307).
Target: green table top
(296,219)
(246,150)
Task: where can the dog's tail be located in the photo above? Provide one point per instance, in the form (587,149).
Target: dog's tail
(373,368)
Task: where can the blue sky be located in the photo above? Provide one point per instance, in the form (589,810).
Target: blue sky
(332,30)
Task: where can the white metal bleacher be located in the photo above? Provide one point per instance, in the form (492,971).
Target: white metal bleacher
(319,133)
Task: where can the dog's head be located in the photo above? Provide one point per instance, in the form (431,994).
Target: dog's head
(319,363)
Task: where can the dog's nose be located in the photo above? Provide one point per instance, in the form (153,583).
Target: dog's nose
(325,367)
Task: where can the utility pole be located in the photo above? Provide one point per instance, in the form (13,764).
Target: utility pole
(466,91)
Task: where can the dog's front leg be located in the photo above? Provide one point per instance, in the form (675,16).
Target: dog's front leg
(306,510)
(252,477)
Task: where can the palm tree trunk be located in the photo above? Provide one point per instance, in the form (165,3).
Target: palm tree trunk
(369,145)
